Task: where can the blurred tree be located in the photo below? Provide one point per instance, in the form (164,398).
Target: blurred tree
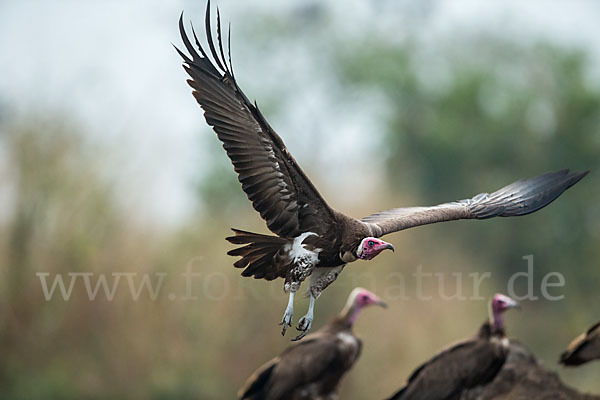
(61,218)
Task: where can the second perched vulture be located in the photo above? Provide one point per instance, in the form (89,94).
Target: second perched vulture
(312,368)
(465,365)
(585,348)
(312,239)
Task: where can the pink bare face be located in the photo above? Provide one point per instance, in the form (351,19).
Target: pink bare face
(370,247)
(501,303)
(365,298)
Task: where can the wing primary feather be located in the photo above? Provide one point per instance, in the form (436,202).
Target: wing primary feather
(201,49)
(220,41)
(185,58)
(186,42)
(526,195)
(229,51)
(209,37)
(190,48)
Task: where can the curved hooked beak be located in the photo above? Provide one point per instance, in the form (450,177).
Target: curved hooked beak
(382,304)
(386,246)
(378,302)
(514,304)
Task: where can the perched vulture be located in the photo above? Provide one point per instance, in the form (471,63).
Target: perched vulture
(586,347)
(312,368)
(468,364)
(311,238)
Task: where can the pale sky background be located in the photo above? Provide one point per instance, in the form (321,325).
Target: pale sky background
(110,67)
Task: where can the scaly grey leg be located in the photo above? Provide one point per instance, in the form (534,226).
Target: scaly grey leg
(305,322)
(288,314)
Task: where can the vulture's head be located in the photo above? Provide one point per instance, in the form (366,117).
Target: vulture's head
(360,298)
(501,303)
(498,305)
(370,247)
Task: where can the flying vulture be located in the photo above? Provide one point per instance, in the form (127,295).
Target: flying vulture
(468,364)
(585,348)
(312,368)
(311,238)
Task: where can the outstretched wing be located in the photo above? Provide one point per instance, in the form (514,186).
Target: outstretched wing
(271,178)
(519,198)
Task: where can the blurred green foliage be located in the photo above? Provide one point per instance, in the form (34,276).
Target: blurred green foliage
(475,124)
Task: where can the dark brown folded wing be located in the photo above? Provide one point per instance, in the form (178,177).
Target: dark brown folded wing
(519,198)
(271,178)
(585,348)
(447,374)
(307,362)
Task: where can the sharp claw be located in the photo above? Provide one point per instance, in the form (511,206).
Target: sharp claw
(285,326)
(286,321)
(304,326)
(300,336)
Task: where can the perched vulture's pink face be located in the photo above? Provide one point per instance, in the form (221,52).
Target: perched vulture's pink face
(501,303)
(365,298)
(370,247)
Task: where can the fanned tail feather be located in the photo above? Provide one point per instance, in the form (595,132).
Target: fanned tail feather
(258,254)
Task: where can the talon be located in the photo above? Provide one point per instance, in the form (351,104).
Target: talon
(300,336)
(286,320)
(304,326)
(285,325)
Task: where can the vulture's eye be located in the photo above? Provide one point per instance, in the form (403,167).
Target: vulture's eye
(371,243)
(365,297)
